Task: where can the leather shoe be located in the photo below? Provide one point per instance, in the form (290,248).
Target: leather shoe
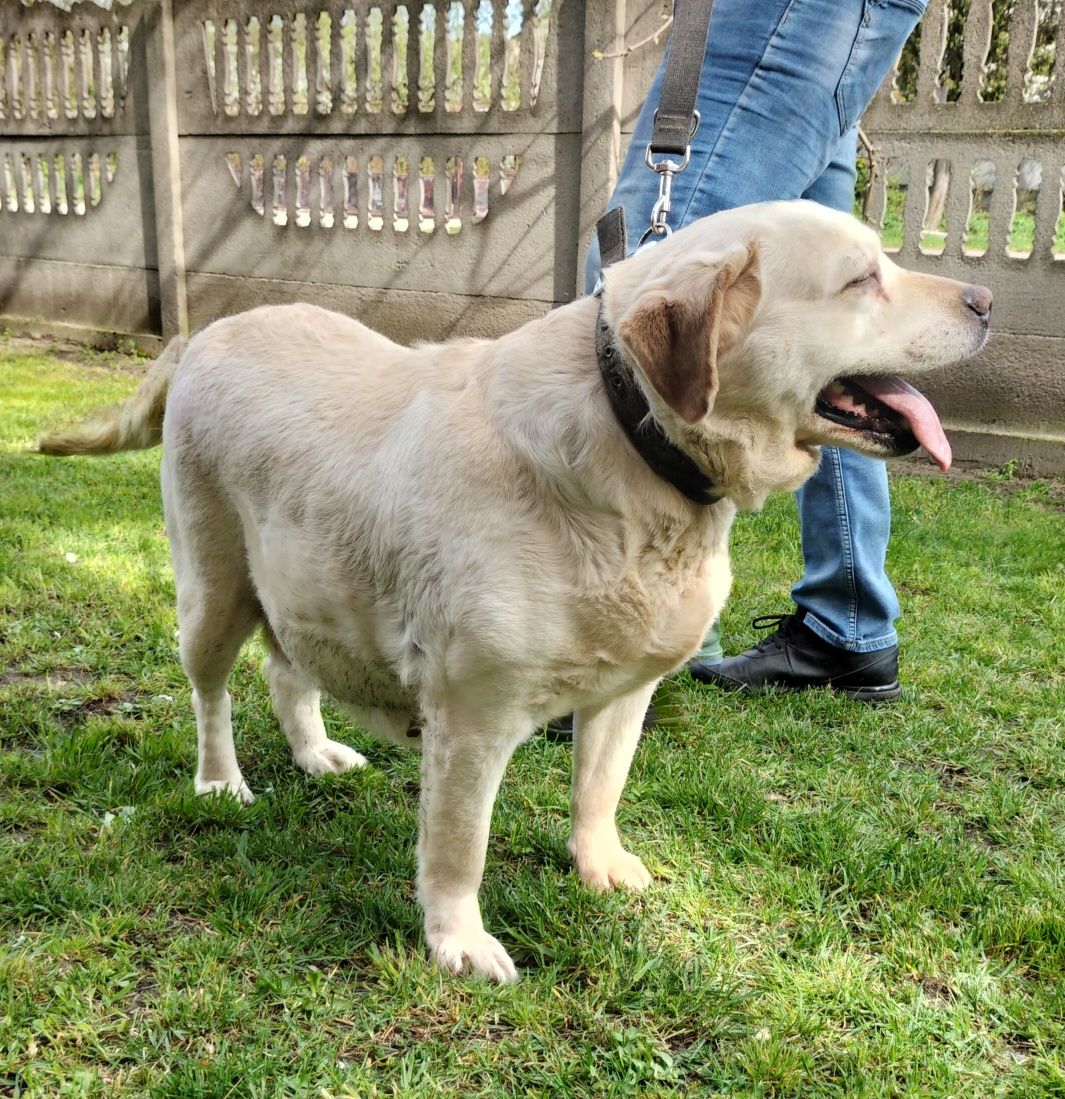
(794,658)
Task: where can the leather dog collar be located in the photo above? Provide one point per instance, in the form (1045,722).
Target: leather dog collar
(644,432)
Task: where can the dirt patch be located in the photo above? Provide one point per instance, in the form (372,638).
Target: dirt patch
(55,679)
(184,924)
(112,356)
(936,992)
(1007,481)
(74,711)
(1019,1048)
(953,775)
(143,998)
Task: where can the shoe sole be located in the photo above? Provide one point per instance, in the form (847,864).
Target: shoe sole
(888,692)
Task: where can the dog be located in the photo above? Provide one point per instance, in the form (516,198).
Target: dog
(459,542)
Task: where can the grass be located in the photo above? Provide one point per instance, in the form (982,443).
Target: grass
(848,901)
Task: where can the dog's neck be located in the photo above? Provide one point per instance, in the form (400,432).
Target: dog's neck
(576,448)
(581,451)
(633,413)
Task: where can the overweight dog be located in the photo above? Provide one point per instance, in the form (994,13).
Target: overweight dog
(460,542)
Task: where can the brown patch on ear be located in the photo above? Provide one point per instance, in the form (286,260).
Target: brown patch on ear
(673,350)
(677,342)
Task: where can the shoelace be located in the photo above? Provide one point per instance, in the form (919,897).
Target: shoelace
(778,623)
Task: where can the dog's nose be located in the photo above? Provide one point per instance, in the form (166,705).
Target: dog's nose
(978,299)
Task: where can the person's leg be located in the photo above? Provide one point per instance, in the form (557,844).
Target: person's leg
(845,510)
(781,83)
(845,516)
(845,601)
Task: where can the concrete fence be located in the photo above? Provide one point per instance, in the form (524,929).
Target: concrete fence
(436,168)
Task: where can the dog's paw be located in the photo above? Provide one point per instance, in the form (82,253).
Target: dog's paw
(611,869)
(476,953)
(220,787)
(330,758)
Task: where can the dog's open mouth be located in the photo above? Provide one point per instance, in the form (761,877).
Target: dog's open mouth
(890,413)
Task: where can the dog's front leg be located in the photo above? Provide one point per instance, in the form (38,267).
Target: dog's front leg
(604,742)
(463,759)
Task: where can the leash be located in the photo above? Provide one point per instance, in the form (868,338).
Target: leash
(676,122)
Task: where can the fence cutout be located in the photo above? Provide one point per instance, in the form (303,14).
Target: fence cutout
(426,204)
(1057,244)
(280,190)
(896,178)
(325,193)
(351,192)
(1039,71)
(1026,184)
(375,214)
(934,224)
(400,50)
(453,201)
(981,188)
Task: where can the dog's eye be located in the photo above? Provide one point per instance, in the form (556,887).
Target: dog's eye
(866,280)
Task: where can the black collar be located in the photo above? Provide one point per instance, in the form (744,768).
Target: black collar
(634,414)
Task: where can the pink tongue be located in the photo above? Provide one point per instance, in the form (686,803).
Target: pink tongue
(918,410)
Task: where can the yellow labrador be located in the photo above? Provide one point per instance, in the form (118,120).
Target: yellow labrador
(459,542)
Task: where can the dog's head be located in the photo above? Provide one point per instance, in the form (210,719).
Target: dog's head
(764,332)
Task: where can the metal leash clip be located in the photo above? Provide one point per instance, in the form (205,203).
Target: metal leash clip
(666,169)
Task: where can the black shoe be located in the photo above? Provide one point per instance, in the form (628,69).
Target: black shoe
(701,667)
(794,658)
(561,728)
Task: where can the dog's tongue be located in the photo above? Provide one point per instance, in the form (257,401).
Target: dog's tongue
(915,406)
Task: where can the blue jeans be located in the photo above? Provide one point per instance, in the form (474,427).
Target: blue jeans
(783,85)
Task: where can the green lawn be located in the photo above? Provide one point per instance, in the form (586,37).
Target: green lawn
(848,902)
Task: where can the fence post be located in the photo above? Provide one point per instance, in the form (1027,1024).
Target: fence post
(604,81)
(166,168)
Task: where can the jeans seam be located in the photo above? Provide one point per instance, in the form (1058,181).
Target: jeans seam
(732,111)
(845,121)
(916,6)
(845,538)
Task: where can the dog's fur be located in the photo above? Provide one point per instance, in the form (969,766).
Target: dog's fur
(458,542)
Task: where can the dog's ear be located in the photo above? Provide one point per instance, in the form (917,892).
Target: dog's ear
(676,338)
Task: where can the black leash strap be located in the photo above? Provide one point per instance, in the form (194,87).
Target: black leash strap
(613,239)
(644,432)
(675,123)
(675,117)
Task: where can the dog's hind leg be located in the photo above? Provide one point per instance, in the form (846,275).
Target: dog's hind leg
(213,624)
(297,704)
(604,742)
(217,611)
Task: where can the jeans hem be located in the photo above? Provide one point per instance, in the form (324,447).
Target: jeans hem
(885,641)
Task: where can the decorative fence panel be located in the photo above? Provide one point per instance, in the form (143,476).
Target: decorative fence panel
(436,167)
(428,194)
(77,230)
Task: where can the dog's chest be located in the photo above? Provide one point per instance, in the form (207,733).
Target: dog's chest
(646,623)
(346,671)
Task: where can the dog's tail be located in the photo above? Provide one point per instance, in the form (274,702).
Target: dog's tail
(136,424)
